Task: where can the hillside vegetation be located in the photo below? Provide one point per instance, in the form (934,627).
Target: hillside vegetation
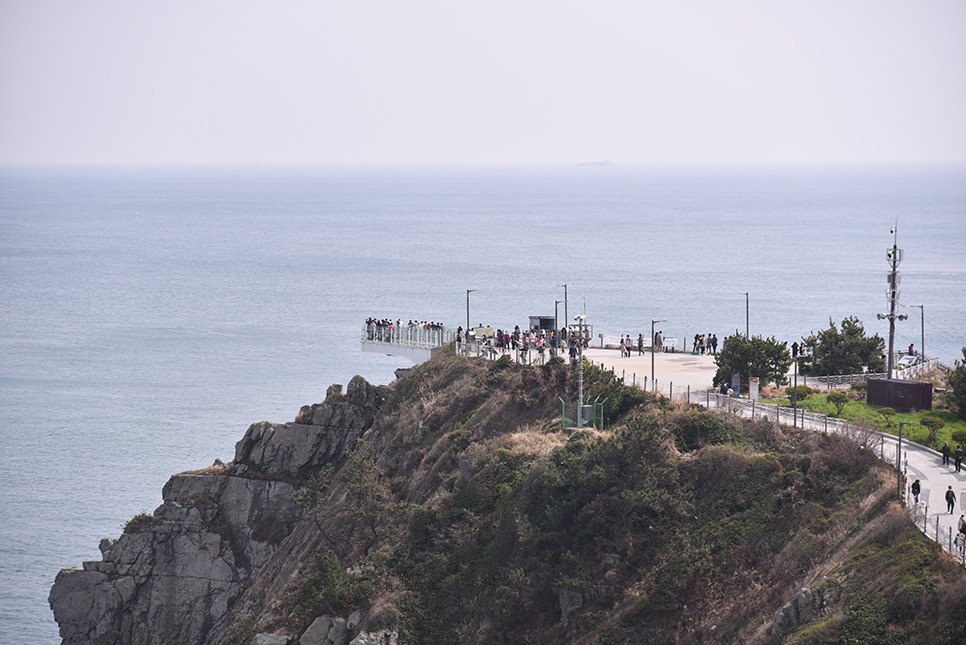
(469,515)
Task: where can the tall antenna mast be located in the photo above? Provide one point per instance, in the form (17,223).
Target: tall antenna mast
(894,257)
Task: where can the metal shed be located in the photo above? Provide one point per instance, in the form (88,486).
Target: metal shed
(902,396)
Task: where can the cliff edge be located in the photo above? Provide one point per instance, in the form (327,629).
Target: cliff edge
(173,577)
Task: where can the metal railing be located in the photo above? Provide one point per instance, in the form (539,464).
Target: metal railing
(887,445)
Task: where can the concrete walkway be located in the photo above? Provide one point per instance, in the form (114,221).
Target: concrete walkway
(925,465)
(680,369)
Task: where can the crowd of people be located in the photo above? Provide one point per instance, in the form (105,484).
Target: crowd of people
(387,330)
(706,343)
(703,344)
(522,342)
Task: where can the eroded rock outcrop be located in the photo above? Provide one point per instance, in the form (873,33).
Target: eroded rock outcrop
(172,577)
(808,605)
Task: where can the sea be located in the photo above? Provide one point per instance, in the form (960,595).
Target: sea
(150,314)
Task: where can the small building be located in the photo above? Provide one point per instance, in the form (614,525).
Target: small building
(901,396)
(542,323)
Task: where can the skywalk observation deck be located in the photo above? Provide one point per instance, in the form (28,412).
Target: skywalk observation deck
(415,342)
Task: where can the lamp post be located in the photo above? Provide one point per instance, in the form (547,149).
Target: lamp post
(899,457)
(566,316)
(922,340)
(580,371)
(747,317)
(653,349)
(556,325)
(468,292)
(796,352)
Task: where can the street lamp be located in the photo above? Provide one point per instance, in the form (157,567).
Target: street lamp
(566,317)
(747,311)
(899,457)
(922,341)
(653,349)
(797,350)
(556,327)
(468,292)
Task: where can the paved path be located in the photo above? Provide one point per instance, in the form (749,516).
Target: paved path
(680,369)
(926,465)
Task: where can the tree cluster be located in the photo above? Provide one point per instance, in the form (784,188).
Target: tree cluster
(766,359)
(845,351)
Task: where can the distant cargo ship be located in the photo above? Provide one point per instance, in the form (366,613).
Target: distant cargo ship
(605,162)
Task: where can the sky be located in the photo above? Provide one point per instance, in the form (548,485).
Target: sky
(374,81)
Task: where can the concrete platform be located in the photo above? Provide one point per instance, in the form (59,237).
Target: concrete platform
(680,369)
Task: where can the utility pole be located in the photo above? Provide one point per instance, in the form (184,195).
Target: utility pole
(894,257)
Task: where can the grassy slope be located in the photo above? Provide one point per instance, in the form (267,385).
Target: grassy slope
(671,525)
(863,412)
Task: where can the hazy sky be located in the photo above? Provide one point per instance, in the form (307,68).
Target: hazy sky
(325,81)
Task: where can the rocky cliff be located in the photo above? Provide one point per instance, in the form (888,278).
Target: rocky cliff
(174,577)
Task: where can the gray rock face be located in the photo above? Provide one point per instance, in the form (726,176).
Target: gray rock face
(173,580)
(271,639)
(318,632)
(383,637)
(807,605)
(298,450)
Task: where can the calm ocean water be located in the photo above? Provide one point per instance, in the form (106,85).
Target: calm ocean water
(149,315)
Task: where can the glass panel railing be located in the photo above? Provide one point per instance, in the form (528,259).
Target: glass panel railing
(409,335)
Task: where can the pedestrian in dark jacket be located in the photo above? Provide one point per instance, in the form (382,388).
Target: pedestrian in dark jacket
(959,458)
(946,452)
(916,489)
(950,500)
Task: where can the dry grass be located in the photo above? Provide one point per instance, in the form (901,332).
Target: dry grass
(531,442)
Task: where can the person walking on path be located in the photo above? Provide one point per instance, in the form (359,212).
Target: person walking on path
(916,489)
(640,344)
(959,458)
(946,452)
(950,500)
(623,348)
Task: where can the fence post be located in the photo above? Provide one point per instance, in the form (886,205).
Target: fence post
(689,394)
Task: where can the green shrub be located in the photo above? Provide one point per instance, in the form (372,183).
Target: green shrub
(139,522)
(692,430)
(959,436)
(803,392)
(933,424)
(838,399)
